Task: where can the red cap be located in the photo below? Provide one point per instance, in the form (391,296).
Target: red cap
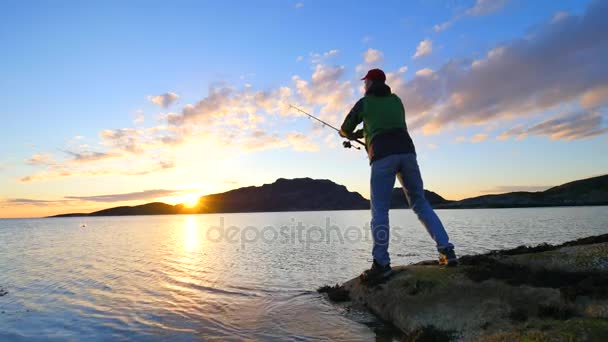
(375,75)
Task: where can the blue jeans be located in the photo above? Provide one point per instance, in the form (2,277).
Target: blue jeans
(405,168)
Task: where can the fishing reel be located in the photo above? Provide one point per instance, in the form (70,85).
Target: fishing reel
(347,144)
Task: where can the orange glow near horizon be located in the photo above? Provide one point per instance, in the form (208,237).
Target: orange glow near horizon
(191,200)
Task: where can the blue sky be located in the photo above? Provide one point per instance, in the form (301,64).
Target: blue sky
(149,100)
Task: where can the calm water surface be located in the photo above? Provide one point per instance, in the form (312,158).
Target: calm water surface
(228,276)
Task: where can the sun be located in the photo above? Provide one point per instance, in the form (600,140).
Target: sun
(191,201)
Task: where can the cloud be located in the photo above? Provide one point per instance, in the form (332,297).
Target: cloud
(139,119)
(135,168)
(596,97)
(41,159)
(565,127)
(33,202)
(372,59)
(555,64)
(559,16)
(403,69)
(227,108)
(299,5)
(325,90)
(164,100)
(331,53)
(301,142)
(124,139)
(372,56)
(443,26)
(131,196)
(485,7)
(227,115)
(424,48)
(480,8)
(86,157)
(320,57)
(426,72)
(259,141)
(479,138)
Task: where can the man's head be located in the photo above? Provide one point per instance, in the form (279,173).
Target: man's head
(374,75)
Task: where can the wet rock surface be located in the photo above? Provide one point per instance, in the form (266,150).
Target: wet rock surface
(557,293)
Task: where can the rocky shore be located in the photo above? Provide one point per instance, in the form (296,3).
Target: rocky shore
(555,293)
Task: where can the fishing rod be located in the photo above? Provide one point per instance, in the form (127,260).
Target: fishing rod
(346,144)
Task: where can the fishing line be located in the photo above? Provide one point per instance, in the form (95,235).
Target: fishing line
(346,144)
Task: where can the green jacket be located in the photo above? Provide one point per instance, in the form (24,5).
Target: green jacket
(384,127)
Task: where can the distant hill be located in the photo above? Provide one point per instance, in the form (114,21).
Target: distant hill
(304,194)
(590,191)
(398,200)
(299,194)
(285,195)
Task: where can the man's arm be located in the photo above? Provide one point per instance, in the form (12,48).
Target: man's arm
(351,121)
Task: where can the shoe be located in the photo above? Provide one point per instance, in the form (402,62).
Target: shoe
(377,273)
(447,257)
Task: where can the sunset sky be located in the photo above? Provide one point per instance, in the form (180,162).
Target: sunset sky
(112,103)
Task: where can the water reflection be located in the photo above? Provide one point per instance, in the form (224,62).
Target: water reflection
(191,240)
(168,278)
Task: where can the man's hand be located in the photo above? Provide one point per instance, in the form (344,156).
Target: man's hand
(352,136)
(343,134)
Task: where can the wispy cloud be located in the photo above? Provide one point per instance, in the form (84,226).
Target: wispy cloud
(321,57)
(566,127)
(130,196)
(426,72)
(301,142)
(125,139)
(424,48)
(480,8)
(41,159)
(558,63)
(86,157)
(485,7)
(372,56)
(33,202)
(164,100)
(145,195)
(372,59)
(477,138)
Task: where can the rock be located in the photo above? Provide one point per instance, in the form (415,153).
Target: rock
(335,293)
(3,292)
(542,293)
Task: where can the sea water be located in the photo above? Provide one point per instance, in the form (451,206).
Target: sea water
(229,276)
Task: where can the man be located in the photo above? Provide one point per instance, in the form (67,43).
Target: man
(391,154)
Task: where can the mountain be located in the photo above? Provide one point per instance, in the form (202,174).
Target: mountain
(285,195)
(299,194)
(303,194)
(590,191)
(398,200)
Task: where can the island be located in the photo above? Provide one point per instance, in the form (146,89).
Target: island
(306,194)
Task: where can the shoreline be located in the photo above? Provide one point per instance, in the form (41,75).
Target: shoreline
(306,210)
(546,292)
